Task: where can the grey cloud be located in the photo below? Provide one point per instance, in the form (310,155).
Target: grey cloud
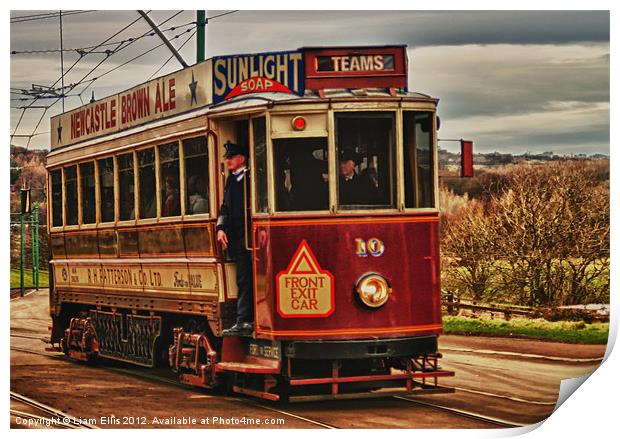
(481,64)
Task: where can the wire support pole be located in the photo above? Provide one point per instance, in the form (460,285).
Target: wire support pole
(62,64)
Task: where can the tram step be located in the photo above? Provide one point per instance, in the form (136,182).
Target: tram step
(246,367)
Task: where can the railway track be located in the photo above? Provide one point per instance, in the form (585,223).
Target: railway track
(55,418)
(172,382)
(475,416)
(523,355)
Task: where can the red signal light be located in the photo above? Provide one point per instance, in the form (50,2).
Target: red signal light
(467,158)
(299,123)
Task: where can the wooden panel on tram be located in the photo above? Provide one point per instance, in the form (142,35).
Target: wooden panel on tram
(127,243)
(57,244)
(161,241)
(107,243)
(199,240)
(81,244)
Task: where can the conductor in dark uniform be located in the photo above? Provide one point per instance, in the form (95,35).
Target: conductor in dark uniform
(231,234)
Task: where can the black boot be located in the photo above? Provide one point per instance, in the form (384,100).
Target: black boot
(243,329)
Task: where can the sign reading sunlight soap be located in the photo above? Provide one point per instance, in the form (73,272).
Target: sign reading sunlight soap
(257,73)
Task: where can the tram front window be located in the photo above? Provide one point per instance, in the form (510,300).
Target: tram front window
(365,144)
(301,174)
(419,166)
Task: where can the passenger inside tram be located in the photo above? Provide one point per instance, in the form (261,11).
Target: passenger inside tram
(366,156)
(301,172)
(198,201)
(171,205)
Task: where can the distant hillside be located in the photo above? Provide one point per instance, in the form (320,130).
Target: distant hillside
(450,161)
(28,166)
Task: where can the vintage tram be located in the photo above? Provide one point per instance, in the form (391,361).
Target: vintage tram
(346,280)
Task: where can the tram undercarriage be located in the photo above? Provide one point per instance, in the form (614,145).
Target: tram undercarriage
(286,371)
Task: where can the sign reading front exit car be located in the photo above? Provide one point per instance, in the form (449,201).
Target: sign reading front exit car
(257,73)
(304,289)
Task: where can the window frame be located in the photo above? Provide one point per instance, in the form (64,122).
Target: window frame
(434,158)
(98,190)
(159,185)
(62,199)
(396,177)
(64,196)
(273,169)
(117,190)
(138,219)
(80,194)
(211,178)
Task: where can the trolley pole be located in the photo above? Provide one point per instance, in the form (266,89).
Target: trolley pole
(21,255)
(200,35)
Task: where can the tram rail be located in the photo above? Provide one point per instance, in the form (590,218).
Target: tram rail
(143,374)
(57,418)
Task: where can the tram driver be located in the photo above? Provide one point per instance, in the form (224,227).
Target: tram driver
(231,234)
(354,188)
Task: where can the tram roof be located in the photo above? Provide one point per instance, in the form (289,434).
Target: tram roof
(254,100)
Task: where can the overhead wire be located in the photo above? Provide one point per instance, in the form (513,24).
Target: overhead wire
(79,50)
(23,18)
(120,47)
(172,56)
(90,81)
(59,79)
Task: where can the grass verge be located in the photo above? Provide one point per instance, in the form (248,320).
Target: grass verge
(28,283)
(539,329)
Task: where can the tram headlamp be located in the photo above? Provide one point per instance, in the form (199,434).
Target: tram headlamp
(298,123)
(373,290)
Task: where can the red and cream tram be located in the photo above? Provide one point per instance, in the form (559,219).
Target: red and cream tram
(346,277)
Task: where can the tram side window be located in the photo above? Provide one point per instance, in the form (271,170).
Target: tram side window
(146,177)
(169,184)
(57,198)
(71,194)
(126,187)
(301,174)
(366,159)
(196,157)
(87,177)
(106,189)
(419,166)
(260,163)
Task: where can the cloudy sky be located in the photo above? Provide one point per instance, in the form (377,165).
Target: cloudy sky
(511,81)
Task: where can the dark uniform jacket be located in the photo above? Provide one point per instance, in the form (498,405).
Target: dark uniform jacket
(358,190)
(231,217)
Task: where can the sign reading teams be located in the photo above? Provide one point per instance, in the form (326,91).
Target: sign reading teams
(354,63)
(264,72)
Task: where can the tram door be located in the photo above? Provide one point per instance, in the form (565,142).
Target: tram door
(235,131)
